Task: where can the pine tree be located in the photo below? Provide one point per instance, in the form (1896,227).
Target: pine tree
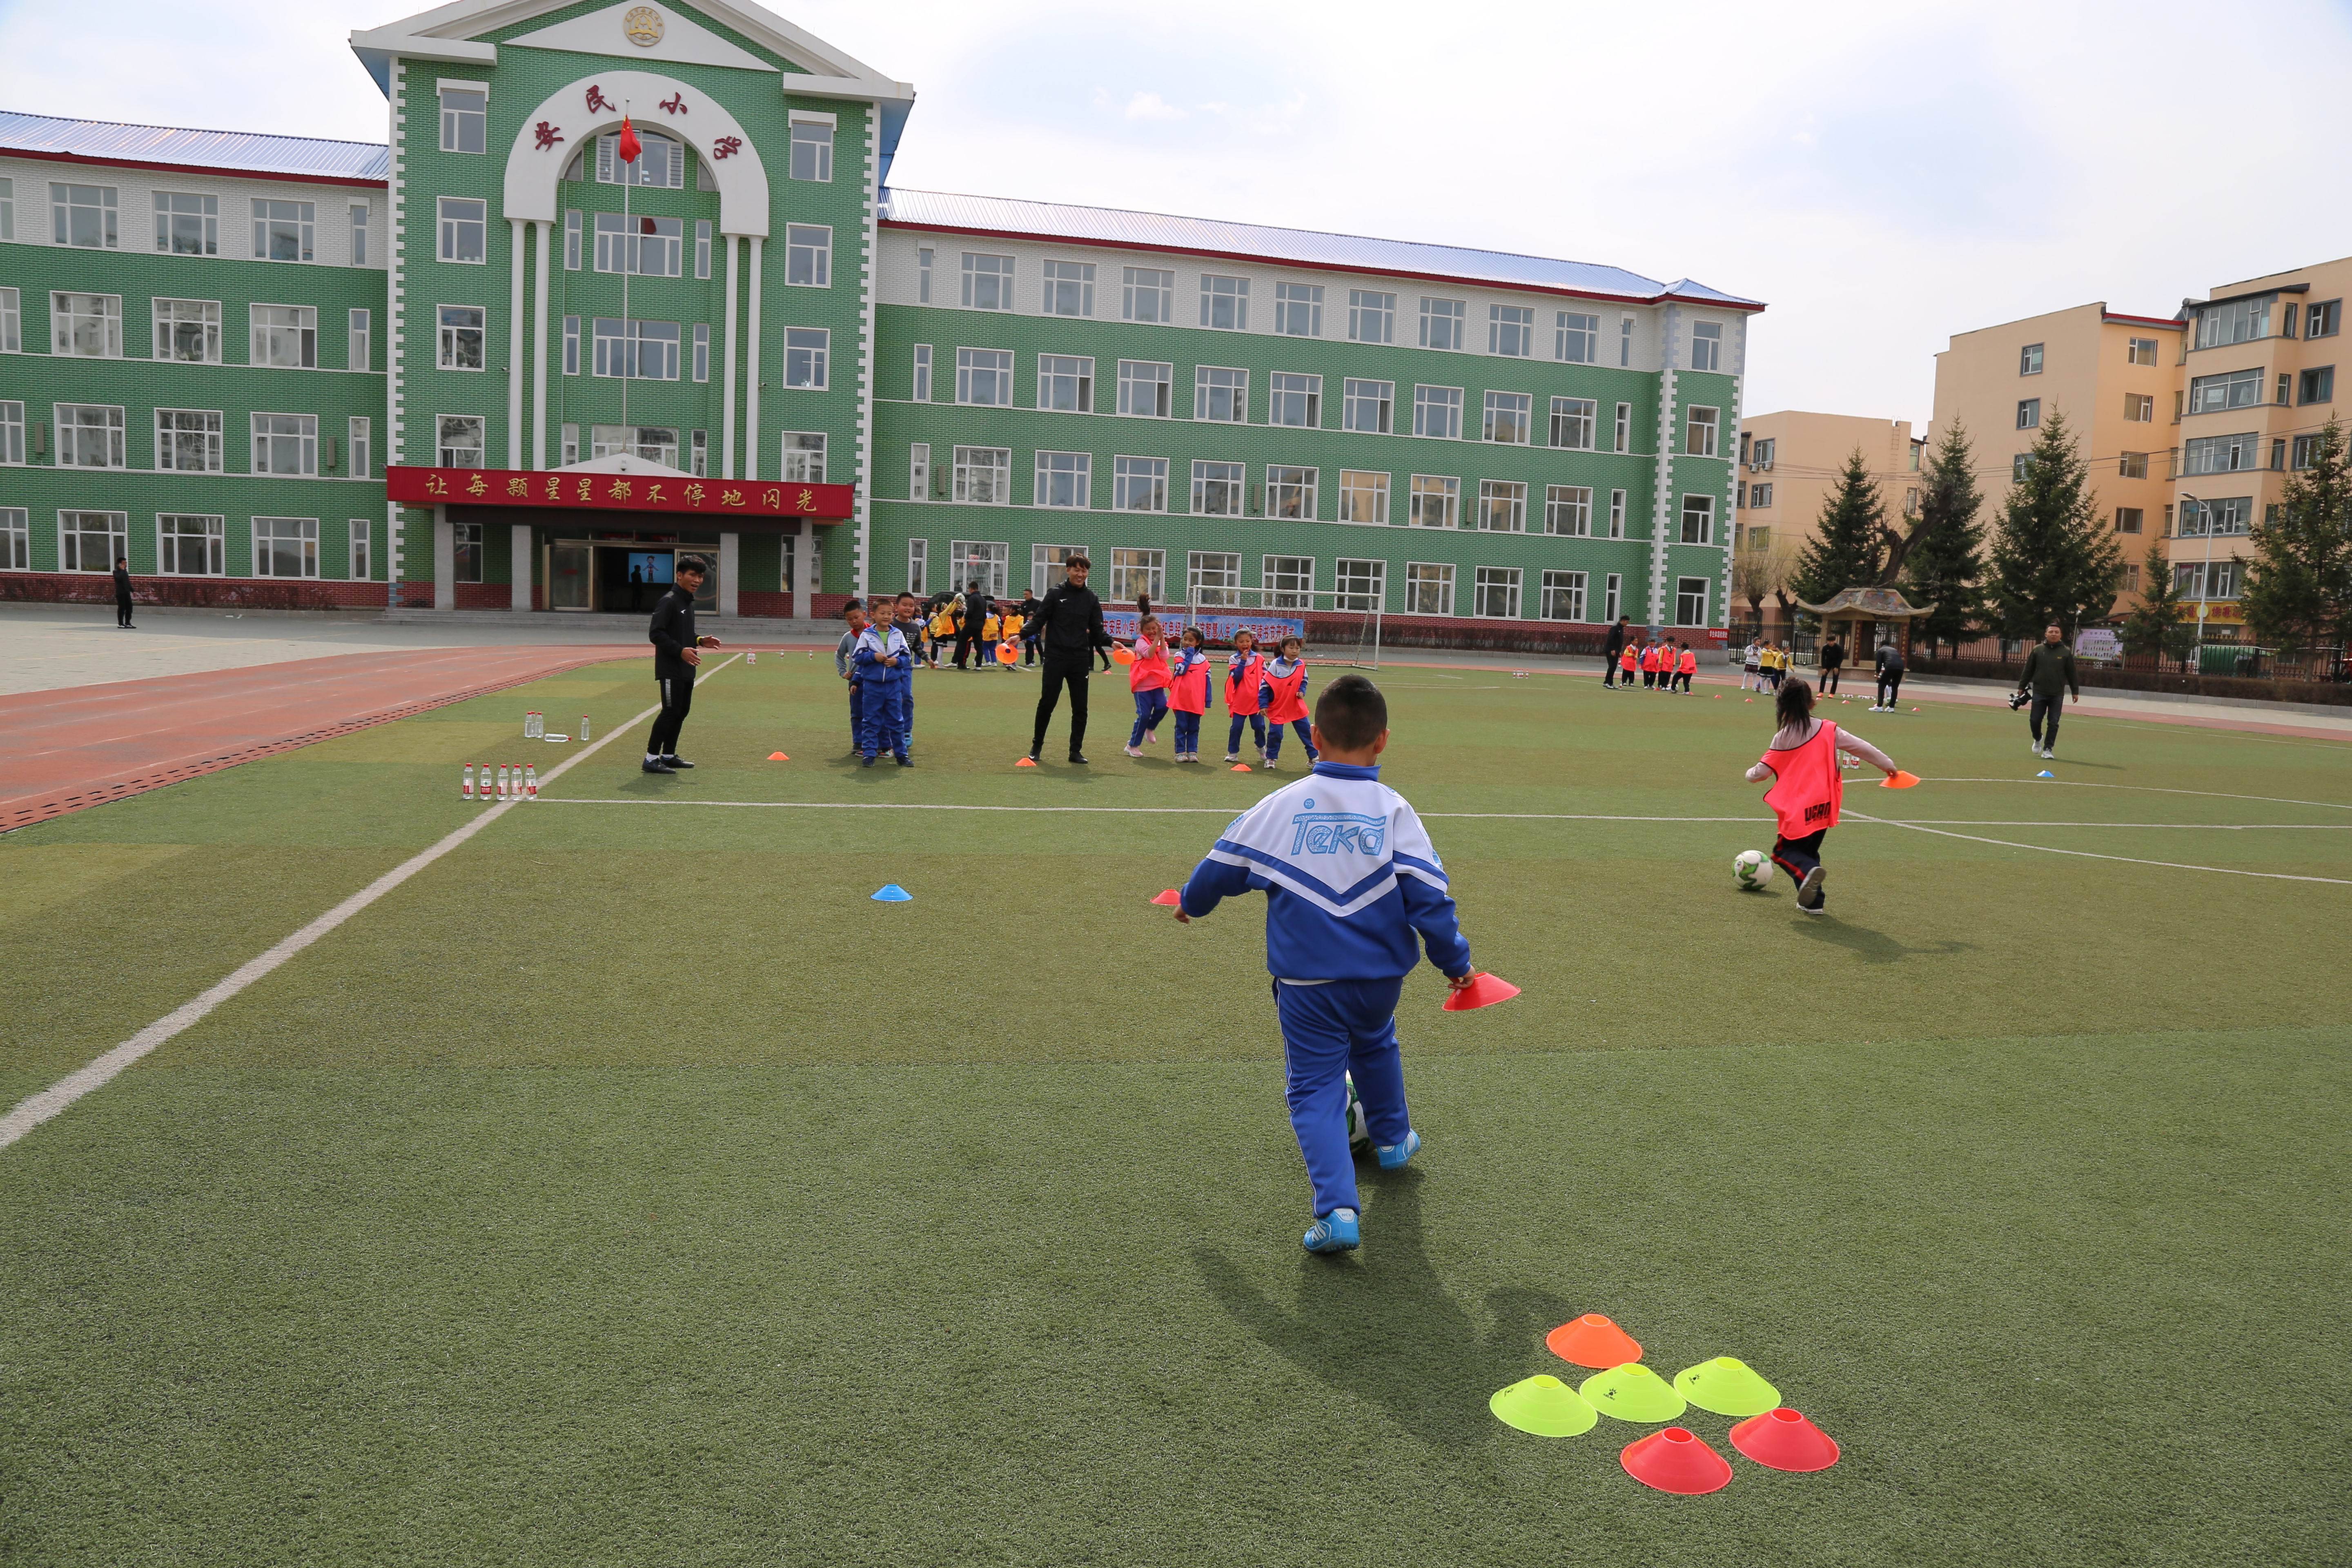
(1849,541)
(1944,558)
(2050,562)
(2159,623)
(2297,592)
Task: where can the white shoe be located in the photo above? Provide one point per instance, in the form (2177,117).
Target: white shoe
(2048,754)
(1232,756)
(2033,747)
(1135,751)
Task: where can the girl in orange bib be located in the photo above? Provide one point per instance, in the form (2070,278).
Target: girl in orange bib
(1188,694)
(1802,764)
(1147,678)
(1285,691)
(1244,674)
(1686,665)
(1649,666)
(1625,662)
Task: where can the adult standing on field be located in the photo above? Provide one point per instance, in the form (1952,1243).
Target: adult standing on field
(1832,661)
(122,592)
(976,606)
(1612,646)
(1890,678)
(676,650)
(2048,675)
(1069,632)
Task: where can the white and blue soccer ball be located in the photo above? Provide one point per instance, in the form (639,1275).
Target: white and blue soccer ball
(1360,1130)
(1752,868)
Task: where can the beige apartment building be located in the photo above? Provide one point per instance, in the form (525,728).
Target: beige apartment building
(1790,461)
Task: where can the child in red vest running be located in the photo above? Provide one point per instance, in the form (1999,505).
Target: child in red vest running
(1686,665)
(1147,678)
(1626,661)
(1807,787)
(1286,690)
(1244,677)
(1188,694)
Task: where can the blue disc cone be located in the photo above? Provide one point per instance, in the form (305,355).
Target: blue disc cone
(2045,774)
(892,893)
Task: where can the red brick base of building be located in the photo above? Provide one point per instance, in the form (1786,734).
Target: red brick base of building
(198,593)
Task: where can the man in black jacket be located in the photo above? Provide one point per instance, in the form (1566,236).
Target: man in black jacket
(1610,646)
(1069,629)
(1030,606)
(676,650)
(2049,673)
(976,606)
(122,592)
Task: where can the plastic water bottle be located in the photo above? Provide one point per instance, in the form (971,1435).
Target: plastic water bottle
(583,726)
(530,781)
(751,659)
(470,780)
(535,726)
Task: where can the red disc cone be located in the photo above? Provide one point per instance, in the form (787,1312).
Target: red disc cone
(1676,1461)
(1783,1440)
(1593,1341)
(1484,991)
(1171,897)
(1899,779)
(1239,768)
(1026,762)
(778,757)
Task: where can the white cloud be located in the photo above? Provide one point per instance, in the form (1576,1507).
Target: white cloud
(1151,106)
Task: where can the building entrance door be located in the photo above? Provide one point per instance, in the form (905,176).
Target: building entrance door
(568,581)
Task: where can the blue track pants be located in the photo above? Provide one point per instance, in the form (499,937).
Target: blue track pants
(1305,739)
(1330,1031)
(1188,733)
(1150,707)
(881,728)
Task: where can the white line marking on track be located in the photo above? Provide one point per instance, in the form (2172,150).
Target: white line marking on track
(34,1110)
(1224,811)
(2154,789)
(2088,855)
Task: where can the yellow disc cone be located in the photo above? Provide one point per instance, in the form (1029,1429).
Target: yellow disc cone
(1544,1405)
(1727,1385)
(1631,1393)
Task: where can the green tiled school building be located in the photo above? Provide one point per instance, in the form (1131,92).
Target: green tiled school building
(276,371)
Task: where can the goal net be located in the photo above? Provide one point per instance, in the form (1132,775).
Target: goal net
(1337,627)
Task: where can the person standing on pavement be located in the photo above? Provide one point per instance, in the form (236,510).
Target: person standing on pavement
(1833,662)
(1612,646)
(2049,675)
(1890,676)
(1069,632)
(676,650)
(976,609)
(122,592)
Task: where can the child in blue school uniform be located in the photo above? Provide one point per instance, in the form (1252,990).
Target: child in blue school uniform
(882,657)
(1244,686)
(1354,892)
(845,655)
(909,612)
(1188,694)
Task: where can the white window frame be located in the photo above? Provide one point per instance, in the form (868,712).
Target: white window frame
(1136,573)
(1439,492)
(65,203)
(1702,431)
(1495,593)
(361,215)
(1047,561)
(701,370)
(1511,331)
(263,340)
(300,434)
(702,231)
(572,345)
(205,211)
(1067,288)
(267,530)
(1148,294)
(1613,598)
(1063,481)
(171,317)
(980,482)
(1225,302)
(1437,412)
(205,424)
(1376,397)
(461,121)
(1521,404)
(1220,488)
(457,324)
(1572,418)
(1281,398)
(1138,484)
(71,545)
(1422,575)
(12,432)
(637,349)
(1568,511)
(12,334)
(801,457)
(1073,374)
(1564,590)
(994,568)
(1212,578)
(810,159)
(1576,337)
(1298,309)
(1502,506)
(1370,308)
(1352,494)
(359,430)
(918,471)
(1623,431)
(921,387)
(1701,506)
(988,288)
(112,427)
(984,371)
(1289,581)
(1160,383)
(1290,491)
(267,217)
(575,224)
(1444,323)
(808,256)
(359,541)
(1688,588)
(1706,346)
(924,257)
(359,338)
(1211,383)
(448,456)
(808,358)
(173,539)
(458,219)
(919,562)
(71,312)
(1360,583)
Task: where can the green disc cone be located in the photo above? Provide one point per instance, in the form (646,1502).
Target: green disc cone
(1544,1405)
(1631,1393)
(1727,1386)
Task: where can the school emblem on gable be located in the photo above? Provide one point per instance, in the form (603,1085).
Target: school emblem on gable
(643,27)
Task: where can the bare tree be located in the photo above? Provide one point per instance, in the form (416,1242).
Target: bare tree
(1756,573)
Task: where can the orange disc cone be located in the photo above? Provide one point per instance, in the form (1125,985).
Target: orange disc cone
(1783,1440)
(1239,768)
(1026,762)
(1171,897)
(1676,1461)
(778,757)
(1123,656)
(1899,779)
(1592,1340)
(1484,991)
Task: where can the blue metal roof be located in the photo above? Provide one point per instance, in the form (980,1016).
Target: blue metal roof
(230,151)
(1305,247)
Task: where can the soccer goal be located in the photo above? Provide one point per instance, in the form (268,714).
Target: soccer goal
(1338,626)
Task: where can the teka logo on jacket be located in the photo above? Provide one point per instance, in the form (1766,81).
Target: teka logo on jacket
(1336,833)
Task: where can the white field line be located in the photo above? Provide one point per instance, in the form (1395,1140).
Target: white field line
(2088,855)
(2154,789)
(34,1110)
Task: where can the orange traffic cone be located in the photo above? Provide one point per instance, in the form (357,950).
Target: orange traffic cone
(1593,1341)
(1484,991)
(1026,762)
(1676,1461)
(1899,779)
(1783,1440)
(1171,897)
(778,757)
(1239,768)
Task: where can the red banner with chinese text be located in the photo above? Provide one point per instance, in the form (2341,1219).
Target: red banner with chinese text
(619,492)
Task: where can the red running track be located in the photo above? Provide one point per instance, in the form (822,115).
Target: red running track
(81,746)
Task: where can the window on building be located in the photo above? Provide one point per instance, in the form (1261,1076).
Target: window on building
(803,457)
(984,476)
(188,441)
(919,559)
(2324,319)
(987,281)
(1213,579)
(89,326)
(462,334)
(1510,417)
(2142,351)
(1616,514)
(2316,385)
(1707,345)
(2018,464)
(1369,406)
(1291,492)
(2029,413)
(1065,478)
(1759,495)
(2238,321)
(661,162)
(808,256)
(2305,452)
(2221,454)
(464,231)
(92,540)
(362,533)
(812,150)
(1699,520)
(8,207)
(647,247)
(1069,289)
(1148,294)
(1690,601)
(12,338)
(1434,500)
(808,354)
(1568,511)
(1049,562)
(1137,573)
(2139,408)
(569,446)
(1758,538)
(189,546)
(1502,506)
(2132,466)
(1624,432)
(1289,581)
(1363,496)
(924,257)
(922,389)
(188,331)
(1217,489)
(984,377)
(918,471)
(286,443)
(1572,422)
(1437,412)
(358,338)
(1613,597)
(1065,383)
(1563,597)
(361,433)
(1221,392)
(645,351)
(289,547)
(2029,360)
(90,436)
(1293,399)
(2130,519)
(1298,309)
(1701,429)
(1626,340)
(654,443)
(83,216)
(1495,593)
(701,351)
(1442,322)
(573,228)
(458,442)
(465,119)
(1144,387)
(572,345)
(1361,584)
(698,460)
(1577,337)
(1138,484)
(1371,316)
(1761,457)
(988,564)
(1225,302)
(702,247)
(1511,331)
(1428,588)
(188,225)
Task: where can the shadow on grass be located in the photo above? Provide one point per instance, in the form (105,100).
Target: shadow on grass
(1872,946)
(1380,1325)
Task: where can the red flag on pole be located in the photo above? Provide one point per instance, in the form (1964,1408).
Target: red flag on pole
(630,146)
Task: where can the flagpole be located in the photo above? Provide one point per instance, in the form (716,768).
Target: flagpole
(628,265)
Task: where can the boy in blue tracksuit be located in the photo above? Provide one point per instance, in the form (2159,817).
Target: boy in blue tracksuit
(909,612)
(844,653)
(882,657)
(1350,881)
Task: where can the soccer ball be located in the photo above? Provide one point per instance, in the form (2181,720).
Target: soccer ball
(1752,868)
(1360,1130)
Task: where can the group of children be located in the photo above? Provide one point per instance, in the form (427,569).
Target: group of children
(879,662)
(1665,665)
(1763,665)
(1003,635)
(1261,693)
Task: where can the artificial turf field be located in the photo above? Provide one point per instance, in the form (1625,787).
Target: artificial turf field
(627,1187)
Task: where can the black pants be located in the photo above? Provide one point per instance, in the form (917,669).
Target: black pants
(1070,670)
(2045,707)
(1830,673)
(677,697)
(964,640)
(1798,857)
(1890,687)
(122,611)
(1609,669)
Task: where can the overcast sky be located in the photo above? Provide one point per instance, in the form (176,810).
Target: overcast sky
(1882,176)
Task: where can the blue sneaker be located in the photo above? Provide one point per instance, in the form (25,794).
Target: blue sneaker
(1335,1232)
(1393,1156)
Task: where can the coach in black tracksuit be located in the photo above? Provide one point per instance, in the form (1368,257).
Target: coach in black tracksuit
(1069,629)
(676,650)
(976,609)
(1610,646)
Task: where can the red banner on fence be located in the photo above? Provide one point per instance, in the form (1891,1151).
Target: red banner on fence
(619,492)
